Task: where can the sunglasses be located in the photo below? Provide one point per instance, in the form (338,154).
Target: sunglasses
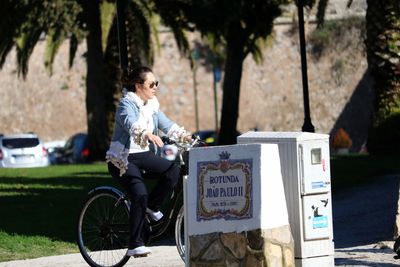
(152,84)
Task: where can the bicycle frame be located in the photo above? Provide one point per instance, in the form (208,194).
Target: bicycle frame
(158,228)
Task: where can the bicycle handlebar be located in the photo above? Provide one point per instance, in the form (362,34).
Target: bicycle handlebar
(180,143)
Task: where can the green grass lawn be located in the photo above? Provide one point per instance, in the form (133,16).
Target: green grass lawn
(39,206)
(354,169)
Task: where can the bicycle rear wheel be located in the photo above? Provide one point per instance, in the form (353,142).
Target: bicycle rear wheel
(103,229)
(180,234)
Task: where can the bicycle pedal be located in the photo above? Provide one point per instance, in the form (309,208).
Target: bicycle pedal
(154,215)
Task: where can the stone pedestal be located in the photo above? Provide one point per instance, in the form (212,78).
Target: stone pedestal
(236,212)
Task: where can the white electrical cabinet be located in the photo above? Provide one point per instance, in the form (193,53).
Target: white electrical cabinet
(305,164)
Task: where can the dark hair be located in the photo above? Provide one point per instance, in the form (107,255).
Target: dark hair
(133,76)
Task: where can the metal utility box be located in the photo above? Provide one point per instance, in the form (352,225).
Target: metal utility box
(305,165)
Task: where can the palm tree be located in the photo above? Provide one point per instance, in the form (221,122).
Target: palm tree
(24,23)
(240,26)
(383,56)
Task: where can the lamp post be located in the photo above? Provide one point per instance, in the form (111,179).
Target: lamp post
(307,125)
(216,79)
(195,57)
(122,46)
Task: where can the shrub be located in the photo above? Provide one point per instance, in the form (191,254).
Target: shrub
(342,34)
(341,140)
(385,138)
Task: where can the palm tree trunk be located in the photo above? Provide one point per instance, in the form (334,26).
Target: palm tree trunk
(231,88)
(95,82)
(383,54)
(383,48)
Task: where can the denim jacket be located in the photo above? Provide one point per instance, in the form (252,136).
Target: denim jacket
(127,125)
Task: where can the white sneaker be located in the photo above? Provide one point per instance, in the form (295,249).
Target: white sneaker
(141,251)
(155,215)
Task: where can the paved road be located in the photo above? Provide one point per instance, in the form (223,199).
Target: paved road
(363,224)
(363,228)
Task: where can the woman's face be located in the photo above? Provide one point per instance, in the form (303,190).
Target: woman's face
(147,89)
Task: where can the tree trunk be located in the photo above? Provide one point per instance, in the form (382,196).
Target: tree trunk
(231,88)
(140,53)
(95,83)
(383,48)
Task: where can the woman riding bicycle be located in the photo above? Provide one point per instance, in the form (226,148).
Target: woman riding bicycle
(137,120)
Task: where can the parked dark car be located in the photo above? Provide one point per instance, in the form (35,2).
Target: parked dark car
(76,150)
(210,137)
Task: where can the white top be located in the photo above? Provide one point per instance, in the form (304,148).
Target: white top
(145,120)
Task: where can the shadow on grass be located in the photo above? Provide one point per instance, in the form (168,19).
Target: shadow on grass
(46,206)
(37,206)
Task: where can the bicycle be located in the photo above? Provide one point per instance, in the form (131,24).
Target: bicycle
(103,223)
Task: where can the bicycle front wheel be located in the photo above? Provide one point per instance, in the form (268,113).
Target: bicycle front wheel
(180,234)
(103,229)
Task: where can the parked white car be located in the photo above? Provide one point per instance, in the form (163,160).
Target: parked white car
(22,151)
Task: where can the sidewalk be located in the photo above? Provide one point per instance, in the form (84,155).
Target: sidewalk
(161,256)
(380,254)
(371,255)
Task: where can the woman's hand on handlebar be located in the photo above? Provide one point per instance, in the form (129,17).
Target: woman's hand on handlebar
(155,139)
(188,138)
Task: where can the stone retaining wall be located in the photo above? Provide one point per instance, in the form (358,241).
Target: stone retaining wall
(271,96)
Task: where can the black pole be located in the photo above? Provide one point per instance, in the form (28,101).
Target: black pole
(307,126)
(123,51)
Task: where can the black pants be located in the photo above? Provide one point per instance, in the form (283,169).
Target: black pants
(133,182)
